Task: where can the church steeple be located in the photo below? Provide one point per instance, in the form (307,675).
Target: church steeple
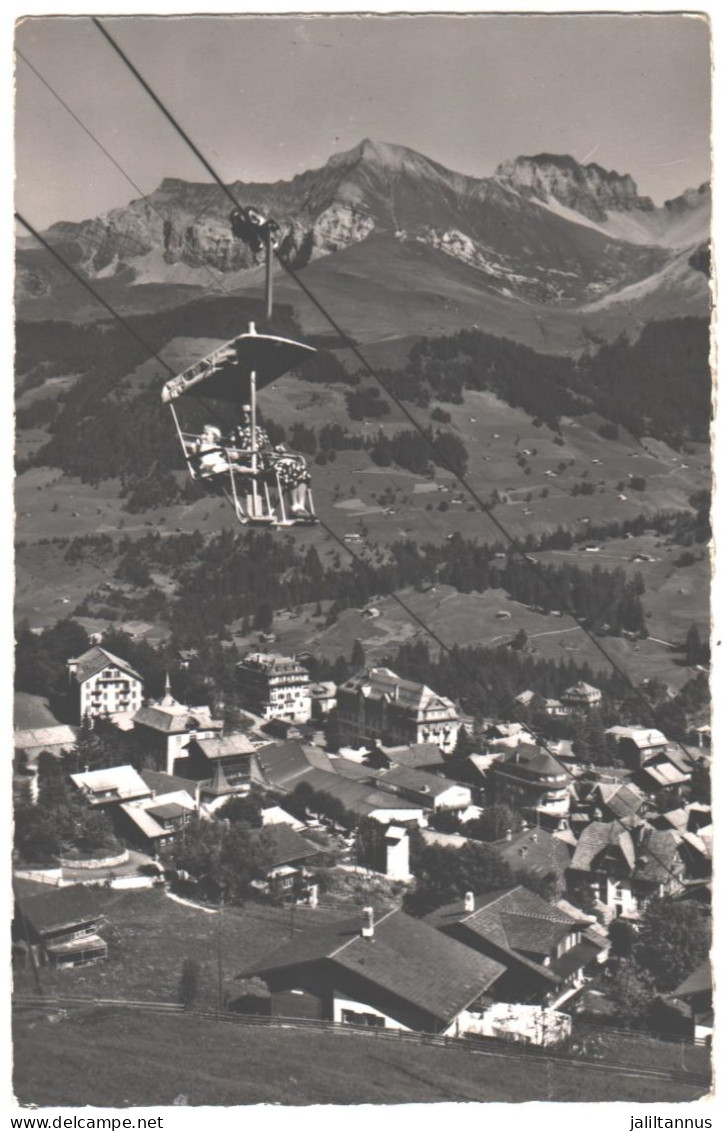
(168,700)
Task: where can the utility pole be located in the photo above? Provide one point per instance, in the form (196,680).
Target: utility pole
(219,956)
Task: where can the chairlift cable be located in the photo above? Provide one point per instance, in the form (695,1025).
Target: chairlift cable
(350,344)
(332,534)
(216,277)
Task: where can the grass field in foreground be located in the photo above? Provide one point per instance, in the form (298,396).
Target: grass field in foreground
(120,1060)
(149,936)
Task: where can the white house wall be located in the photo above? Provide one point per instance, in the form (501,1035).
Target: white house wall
(342,1003)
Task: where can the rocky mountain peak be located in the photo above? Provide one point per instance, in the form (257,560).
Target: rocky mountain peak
(588,189)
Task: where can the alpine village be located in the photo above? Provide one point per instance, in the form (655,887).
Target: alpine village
(353,790)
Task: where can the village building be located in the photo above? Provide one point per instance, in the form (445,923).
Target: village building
(545,951)
(506,736)
(221,765)
(671,768)
(533,701)
(623,867)
(396,853)
(287,853)
(61,926)
(429,791)
(581,697)
(688,1010)
(474,771)
(397,973)
(614,801)
(103,686)
(159,782)
(323,699)
(111,786)
(277,815)
(362,797)
(421,756)
(154,822)
(379,706)
(638,745)
(703,736)
(166,727)
(539,853)
(533,781)
(275,686)
(281,765)
(55,740)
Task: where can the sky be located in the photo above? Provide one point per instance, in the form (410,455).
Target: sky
(266,98)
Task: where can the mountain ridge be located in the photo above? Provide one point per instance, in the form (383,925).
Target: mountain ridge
(544,231)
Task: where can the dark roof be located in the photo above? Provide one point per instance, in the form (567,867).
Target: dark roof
(658,856)
(622,800)
(416,780)
(415,757)
(699,982)
(598,836)
(283,844)
(176,720)
(406,957)
(513,920)
(652,856)
(585,952)
(61,907)
(97,658)
(535,850)
(360,797)
(166,810)
(32,711)
(159,782)
(285,763)
(230,746)
(358,771)
(531,761)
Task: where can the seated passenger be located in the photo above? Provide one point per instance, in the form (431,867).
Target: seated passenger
(241,439)
(294,476)
(211,456)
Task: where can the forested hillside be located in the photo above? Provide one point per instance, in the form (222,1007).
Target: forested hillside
(105,426)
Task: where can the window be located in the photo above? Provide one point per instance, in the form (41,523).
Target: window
(352,1017)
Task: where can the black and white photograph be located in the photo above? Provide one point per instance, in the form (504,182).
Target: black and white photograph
(362,611)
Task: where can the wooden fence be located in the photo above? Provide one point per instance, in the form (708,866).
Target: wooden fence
(576,1053)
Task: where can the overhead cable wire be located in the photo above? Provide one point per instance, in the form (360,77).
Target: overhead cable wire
(217,278)
(84,283)
(214,276)
(352,346)
(451,651)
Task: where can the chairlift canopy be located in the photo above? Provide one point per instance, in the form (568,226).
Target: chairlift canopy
(225,374)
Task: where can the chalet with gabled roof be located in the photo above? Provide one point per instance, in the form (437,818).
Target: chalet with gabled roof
(154,822)
(545,950)
(222,764)
(111,786)
(379,706)
(397,973)
(275,686)
(581,697)
(167,727)
(103,686)
(61,926)
(533,781)
(623,864)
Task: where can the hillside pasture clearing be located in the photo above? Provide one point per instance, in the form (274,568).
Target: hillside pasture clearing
(120,1059)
